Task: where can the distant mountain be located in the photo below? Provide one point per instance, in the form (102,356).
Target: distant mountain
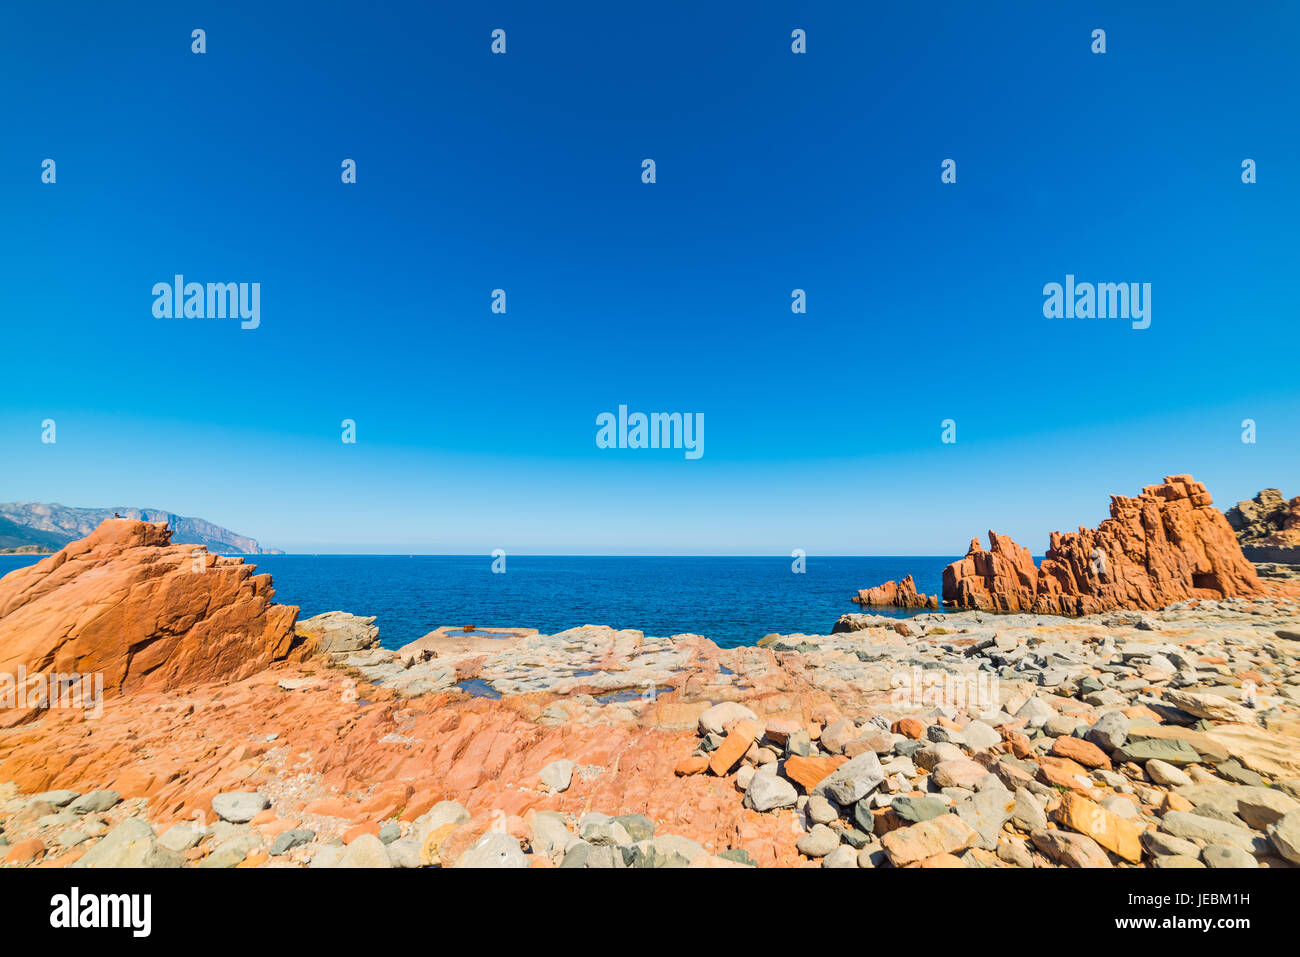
(40,527)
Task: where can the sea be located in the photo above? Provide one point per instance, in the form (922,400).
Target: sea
(732,600)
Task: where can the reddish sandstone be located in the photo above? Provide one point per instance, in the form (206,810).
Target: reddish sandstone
(897,595)
(909,728)
(1018,743)
(1063,772)
(25,851)
(809,772)
(146,614)
(695,764)
(1081,751)
(733,747)
(1167,544)
(1109,830)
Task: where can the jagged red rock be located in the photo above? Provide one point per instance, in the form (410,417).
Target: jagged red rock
(1165,545)
(146,614)
(896,594)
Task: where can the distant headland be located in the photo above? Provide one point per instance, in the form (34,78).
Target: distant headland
(41,528)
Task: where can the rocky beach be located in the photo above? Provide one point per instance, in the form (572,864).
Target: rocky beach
(1141,710)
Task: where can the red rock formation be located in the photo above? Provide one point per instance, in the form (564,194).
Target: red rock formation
(896,594)
(126,603)
(1000,579)
(1167,544)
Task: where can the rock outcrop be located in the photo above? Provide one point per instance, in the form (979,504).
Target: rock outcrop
(1165,545)
(897,595)
(1268,527)
(145,614)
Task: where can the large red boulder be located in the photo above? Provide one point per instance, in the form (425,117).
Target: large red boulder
(145,614)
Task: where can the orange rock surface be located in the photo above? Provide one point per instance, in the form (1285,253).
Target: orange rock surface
(897,595)
(1165,545)
(126,603)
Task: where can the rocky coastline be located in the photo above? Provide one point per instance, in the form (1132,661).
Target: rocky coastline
(231,734)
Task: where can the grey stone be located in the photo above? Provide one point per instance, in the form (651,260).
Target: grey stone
(73,837)
(638,826)
(986,812)
(601,830)
(1233,771)
(798,744)
(341,633)
(1026,812)
(872,856)
(1166,774)
(181,837)
(549,834)
(404,852)
(931,756)
(1110,731)
(232,851)
(1261,806)
(1225,855)
(842,856)
(558,774)
(327,856)
(674,844)
(577,855)
(939,734)
(95,802)
(1159,844)
(239,807)
(854,838)
(821,811)
(1284,833)
(286,841)
(818,842)
(131,844)
(768,791)
(1172,751)
(440,815)
(366,851)
(914,810)
(979,736)
(390,832)
(1194,827)
(1015,853)
(1036,712)
(605,856)
(57,798)
(854,779)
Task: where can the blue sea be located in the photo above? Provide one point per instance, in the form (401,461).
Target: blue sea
(734,601)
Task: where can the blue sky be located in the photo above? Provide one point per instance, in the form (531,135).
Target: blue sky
(775,171)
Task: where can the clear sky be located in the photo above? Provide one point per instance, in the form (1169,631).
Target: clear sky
(523,172)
